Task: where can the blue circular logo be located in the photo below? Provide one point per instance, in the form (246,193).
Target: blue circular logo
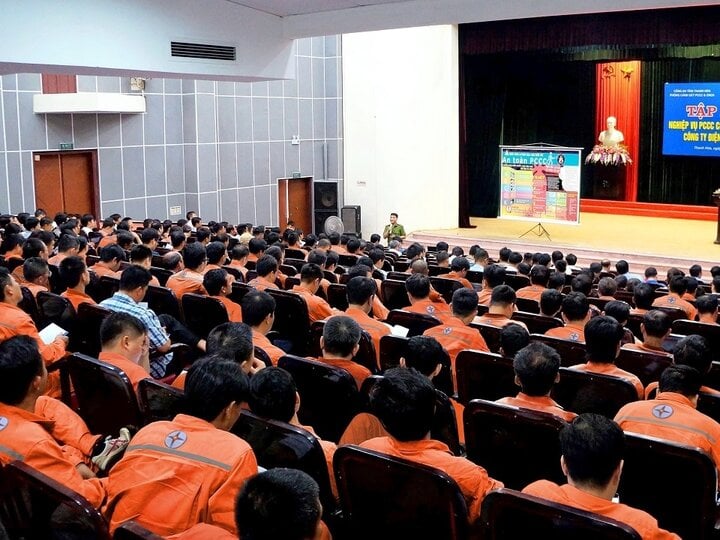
(662,411)
(574,336)
(3,422)
(175,439)
(431,310)
(447,330)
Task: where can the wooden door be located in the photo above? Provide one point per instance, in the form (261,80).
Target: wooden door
(66,182)
(295,202)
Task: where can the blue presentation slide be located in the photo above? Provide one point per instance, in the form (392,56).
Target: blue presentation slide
(691,122)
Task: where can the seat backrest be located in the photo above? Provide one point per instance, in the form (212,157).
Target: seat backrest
(633,323)
(401,498)
(85,337)
(490,333)
(57,309)
(585,392)
(277,444)
(162,274)
(57,285)
(675,483)
(329,396)
(332,277)
(401,265)
(536,323)
(507,514)
(105,396)
(397,276)
(29,305)
(33,505)
(347,260)
(709,404)
(484,375)
(296,262)
(445,286)
(239,290)
(394,293)
(292,321)
(291,281)
(105,287)
(673,313)
(711,332)
(158,401)
(337,296)
(474,276)
(527,305)
(131,530)
(163,300)
(517,281)
(203,313)
(365,356)
(501,437)
(647,366)
(571,352)
(416,323)
(435,270)
(288,269)
(233,270)
(392,348)
(293,253)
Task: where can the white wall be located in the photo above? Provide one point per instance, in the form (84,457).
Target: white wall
(400,117)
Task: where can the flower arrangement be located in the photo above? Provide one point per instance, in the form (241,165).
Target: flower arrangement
(609,155)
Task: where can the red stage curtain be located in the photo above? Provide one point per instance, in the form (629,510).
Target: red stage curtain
(618,95)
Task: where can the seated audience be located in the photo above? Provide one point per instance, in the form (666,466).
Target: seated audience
(178,473)
(537,369)
(419,292)
(655,328)
(238,258)
(125,345)
(707,306)
(43,432)
(550,302)
(620,311)
(405,403)
(340,343)
(643,298)
(266,268)
(76,277)
(190,280)
(607,287)
(673,414)
(458,270)
(539,276)
(674,298)
(513,337)
(360,294)
(502,306)
(109,263)
(218,284)
(258,311)
(493,276)
(602,340)
(576,314)
(592,450)
(67,246)
(318,308)
(35,275)
(141,255)
(216,256)
(257,247)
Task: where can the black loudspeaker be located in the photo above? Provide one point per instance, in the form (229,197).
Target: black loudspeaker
(320,217)
(350,216)
(326,196)
(326,203)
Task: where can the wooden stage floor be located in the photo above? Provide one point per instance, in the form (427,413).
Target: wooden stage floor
(642,241)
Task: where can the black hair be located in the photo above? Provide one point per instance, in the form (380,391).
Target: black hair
(424,353)
(231,340)
(33,268)
(464,302)
(118,323)
(238,252)
(133,277)
(494,275)
(459,263)
(72,270)
(592,447)
(256,306)
(539,275)
(272,394)
(643,296)
(536,366)
(216,253)
(622,267)
(140,253)
(694,351)
(550,302)
(618,310)
(340,335)
(257,245)
(67,242)
(602,336)
(513,337)
(212,384)
(33,247)
(656,323)
(214,280)
(266,265)
(502,295)
(682,379)
(148,235)
(707,303)
(575,306)
(278,504)
(418,286)
(194,255)
(360,289)
(677,285)
(404,400)
(112,252)
(310,272)
(20,363)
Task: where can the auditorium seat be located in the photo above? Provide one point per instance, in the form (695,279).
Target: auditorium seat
(585,392)
(297,254)
(434,270)
(400,498)
(536,323)
(445,286)
(647,366)
(711,332)
(162,274)
(29,305)
(288,269)
(490,333)
(484,375)
(292,321)
(365,356)
(86,333)
(517,281)
(158,401)
(527,305)
(328,395)
(239,290)
(34,506)
(163,300)
(571,352)
(416,323)
(337,296)
(392,348)
(131,530)
(104,288)
(394,293)
(234,272)
(676,484)
(507,514)
(203,313)
(53,308)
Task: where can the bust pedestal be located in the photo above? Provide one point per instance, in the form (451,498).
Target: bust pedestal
(608,182)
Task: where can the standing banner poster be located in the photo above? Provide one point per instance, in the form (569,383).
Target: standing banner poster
(540,183)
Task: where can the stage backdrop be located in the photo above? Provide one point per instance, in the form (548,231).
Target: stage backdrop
(540,183)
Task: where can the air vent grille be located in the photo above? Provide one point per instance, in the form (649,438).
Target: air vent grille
(202,50)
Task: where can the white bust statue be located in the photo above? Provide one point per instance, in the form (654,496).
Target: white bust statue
(611,136)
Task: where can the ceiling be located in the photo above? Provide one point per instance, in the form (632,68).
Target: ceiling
(286,8)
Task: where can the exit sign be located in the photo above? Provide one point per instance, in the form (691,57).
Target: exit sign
(66,146)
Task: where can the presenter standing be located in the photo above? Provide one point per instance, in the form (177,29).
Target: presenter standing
(393,229)
(611,137)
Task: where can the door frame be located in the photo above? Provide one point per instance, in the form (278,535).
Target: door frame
(95,210)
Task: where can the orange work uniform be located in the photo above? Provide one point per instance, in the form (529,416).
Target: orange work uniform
(613,371)
(262,342)
(100,270)
(440,311)
(376,329)
(455,336)
(135,372)
(186,281)
(318,309)
(27,437)
(457,277)
(673,300)
(570,332)
(358,371)
(673,417)
(379,311)
(497,320)
(261,284)
(644,348)
(76,298)
(177,474)
(233,309)
(485,296)
(655,384)
(538,403)
(531,292)
(15,322)
(473,480)
(645,525)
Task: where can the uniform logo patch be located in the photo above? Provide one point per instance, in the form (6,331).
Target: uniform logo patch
(431,310)
(3,422)
(447,330)
(671,300)
(175,439)
(574,336)
(662,411)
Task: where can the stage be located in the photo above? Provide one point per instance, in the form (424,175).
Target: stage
(642,241)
